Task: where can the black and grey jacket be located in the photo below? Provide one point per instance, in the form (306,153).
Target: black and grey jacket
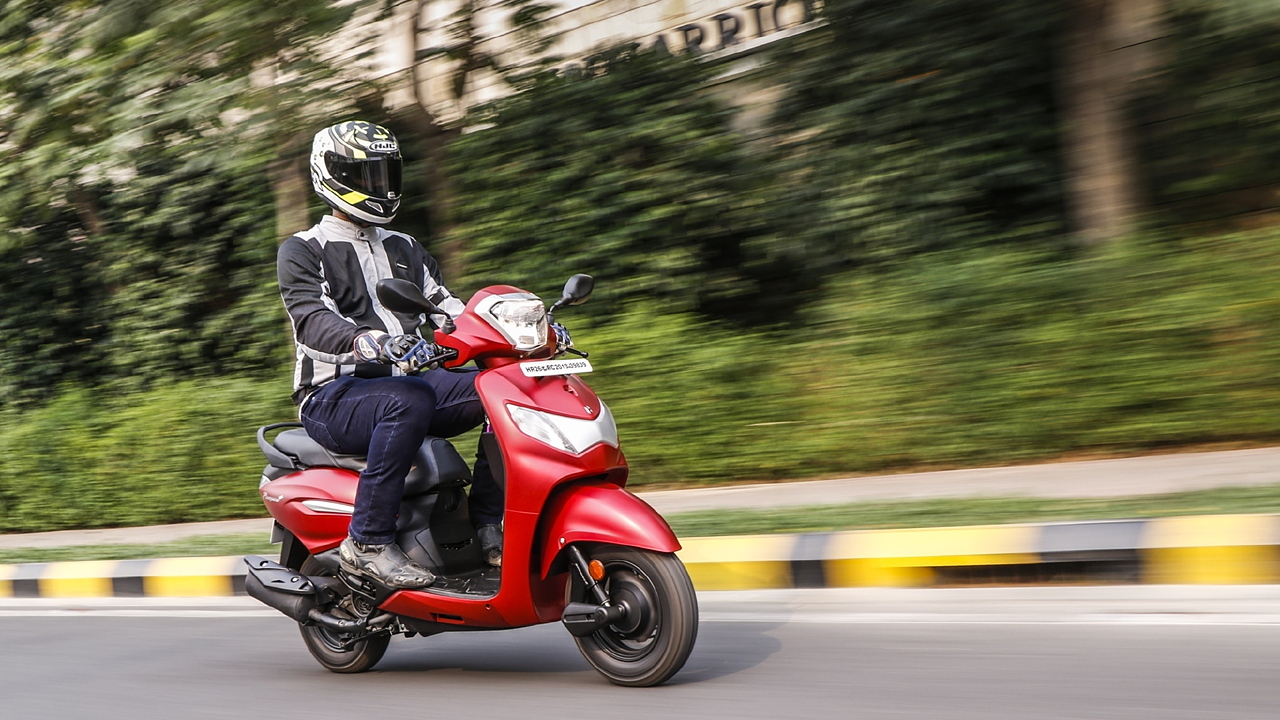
(327,275)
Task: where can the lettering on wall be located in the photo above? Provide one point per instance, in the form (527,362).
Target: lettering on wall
(724,30)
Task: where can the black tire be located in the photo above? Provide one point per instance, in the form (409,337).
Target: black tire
(324,643)
(647,647)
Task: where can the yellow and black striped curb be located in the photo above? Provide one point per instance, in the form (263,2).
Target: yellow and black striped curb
(1210,549)
(169,577)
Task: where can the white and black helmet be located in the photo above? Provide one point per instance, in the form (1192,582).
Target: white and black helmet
(355,169)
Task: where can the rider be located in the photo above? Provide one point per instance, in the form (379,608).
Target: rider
(359,379)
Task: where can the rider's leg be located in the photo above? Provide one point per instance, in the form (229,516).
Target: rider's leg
(458,409)
(387,420)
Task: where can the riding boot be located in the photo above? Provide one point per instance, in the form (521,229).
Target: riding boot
(385,563)
(491,543)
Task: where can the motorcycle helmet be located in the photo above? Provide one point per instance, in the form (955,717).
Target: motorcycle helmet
(355,169)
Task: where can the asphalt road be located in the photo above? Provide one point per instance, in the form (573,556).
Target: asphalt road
(941,654)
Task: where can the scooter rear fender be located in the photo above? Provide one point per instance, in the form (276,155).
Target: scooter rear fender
(317,529)
(600,512)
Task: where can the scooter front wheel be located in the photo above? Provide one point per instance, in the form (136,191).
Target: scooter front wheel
(653,640)
(334,650)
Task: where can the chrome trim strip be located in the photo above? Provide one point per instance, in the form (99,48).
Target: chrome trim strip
(329,506)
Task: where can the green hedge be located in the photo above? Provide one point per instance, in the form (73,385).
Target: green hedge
(964,358)
(182,453)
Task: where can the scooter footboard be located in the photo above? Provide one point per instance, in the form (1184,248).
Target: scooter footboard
(605,513)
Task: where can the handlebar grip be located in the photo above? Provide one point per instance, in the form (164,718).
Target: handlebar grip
(448,354)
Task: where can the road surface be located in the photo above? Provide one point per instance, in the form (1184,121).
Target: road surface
(943,654)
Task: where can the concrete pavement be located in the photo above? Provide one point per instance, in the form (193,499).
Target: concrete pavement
(1150,475)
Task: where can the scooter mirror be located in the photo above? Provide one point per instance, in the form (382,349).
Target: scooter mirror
(403,296)
(577,290)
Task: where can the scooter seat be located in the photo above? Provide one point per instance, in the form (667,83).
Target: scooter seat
(309,453)
(437,464)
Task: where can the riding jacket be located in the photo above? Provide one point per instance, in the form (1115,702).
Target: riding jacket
(327,276)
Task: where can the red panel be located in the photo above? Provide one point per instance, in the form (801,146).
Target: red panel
(602,512)
(534,468)
(317,531)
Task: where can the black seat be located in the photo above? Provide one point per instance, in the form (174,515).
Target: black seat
(309,453)
(437,464)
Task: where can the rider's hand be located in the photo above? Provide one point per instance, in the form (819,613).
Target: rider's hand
(563,341)
(370,346)
(409,352)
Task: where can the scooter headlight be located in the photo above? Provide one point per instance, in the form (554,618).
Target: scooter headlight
(523,322)
(565,433)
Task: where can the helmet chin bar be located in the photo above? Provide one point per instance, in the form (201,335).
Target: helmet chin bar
(355,214)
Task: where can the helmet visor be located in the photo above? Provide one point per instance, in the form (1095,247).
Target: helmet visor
(376,177)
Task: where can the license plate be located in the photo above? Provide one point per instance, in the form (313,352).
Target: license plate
(543,368)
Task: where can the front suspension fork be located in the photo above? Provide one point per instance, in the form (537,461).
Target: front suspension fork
(583,618)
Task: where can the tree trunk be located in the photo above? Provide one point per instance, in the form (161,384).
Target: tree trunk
(446,249)
(1109,47)
(291,186)
(86,206)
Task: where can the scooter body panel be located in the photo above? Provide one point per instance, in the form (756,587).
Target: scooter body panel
(605,513)
(522,598)
(528,594)
(317,529)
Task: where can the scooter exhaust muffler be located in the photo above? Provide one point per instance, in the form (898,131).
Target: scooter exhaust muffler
(277,586)
(300,596)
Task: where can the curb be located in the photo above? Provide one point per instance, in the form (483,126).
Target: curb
(1207,549)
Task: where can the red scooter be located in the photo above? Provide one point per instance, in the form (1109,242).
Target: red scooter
(578,547)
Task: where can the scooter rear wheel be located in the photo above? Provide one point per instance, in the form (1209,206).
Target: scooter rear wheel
(653,641)
(327,646)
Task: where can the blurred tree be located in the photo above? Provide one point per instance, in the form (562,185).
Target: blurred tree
(1208,128)
(626,171)
(919,125)
(140,152)
(429,194)
(1109,46)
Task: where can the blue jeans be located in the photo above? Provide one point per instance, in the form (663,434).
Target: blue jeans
(387,419)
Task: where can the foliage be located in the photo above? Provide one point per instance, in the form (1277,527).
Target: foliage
(1208,124)
(136,143)
(956,359)
(625,171)
(181,453)
(992,357)
(920,125)
(963,358)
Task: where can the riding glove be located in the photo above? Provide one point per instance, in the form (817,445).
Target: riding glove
(408,352)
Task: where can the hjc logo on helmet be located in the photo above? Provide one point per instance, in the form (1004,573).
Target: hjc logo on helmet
(383,146)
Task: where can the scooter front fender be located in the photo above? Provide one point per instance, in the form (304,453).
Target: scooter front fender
(605,513)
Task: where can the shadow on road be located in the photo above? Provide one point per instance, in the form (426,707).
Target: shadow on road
(722,649)
(727,648)
(527,650)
